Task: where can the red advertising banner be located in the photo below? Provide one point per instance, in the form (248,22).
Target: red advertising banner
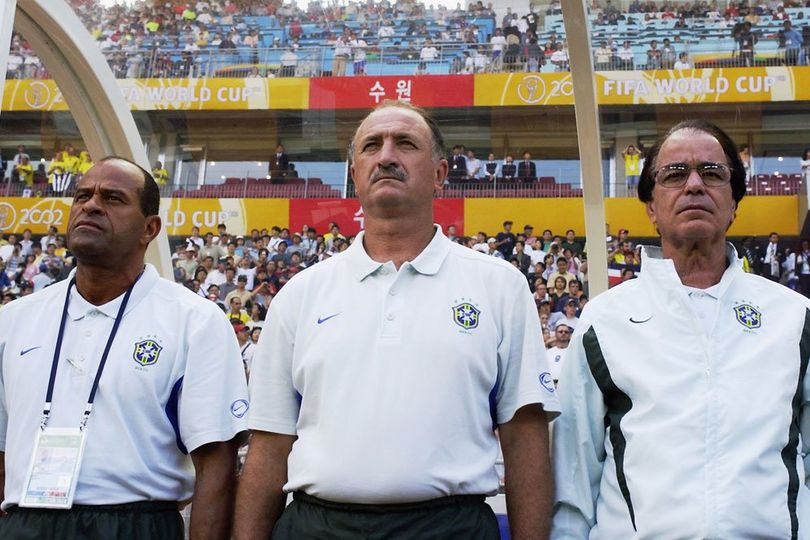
(367,92)
(348,214)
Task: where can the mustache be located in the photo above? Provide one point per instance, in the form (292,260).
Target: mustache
(388,171)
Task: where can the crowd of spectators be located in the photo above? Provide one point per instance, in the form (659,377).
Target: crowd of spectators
(242,274)
(165,39)
(57,178)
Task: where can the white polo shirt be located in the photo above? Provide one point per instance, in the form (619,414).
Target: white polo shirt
(173,382)
(402,375)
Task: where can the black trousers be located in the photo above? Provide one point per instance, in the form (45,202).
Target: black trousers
(150,520)
(461,517)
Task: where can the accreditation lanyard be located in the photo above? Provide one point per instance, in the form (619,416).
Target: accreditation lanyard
(46,412)
(55,463)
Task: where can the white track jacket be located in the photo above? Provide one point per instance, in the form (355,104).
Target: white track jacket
(673,431)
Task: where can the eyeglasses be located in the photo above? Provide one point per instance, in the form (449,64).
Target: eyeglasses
(675,175)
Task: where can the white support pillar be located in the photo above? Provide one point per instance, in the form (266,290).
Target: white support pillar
(7,8)
(80,71)
(586,108)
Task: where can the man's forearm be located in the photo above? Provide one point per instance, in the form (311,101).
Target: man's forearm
(260,498)
(529,488)
(214,491)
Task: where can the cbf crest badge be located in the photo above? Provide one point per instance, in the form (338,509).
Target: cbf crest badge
(748,316)
(147,352)
(466,315)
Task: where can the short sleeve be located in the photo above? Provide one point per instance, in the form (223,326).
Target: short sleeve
(523,374)
(213,397)
(275,402)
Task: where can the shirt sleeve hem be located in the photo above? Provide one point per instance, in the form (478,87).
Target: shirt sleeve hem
(550,406)
(222,435)
(272,426)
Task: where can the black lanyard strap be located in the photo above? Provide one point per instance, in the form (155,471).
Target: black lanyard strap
(58,350)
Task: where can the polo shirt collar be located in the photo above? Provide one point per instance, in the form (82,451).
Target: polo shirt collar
(662,271)
(427,262)
(80,307)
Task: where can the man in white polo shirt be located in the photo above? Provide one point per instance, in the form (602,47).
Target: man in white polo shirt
(391,365)
(142,381)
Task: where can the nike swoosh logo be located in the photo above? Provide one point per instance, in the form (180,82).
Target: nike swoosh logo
(321,321)
(26,351)
(632,320)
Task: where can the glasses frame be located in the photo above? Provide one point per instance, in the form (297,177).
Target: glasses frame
(689,168)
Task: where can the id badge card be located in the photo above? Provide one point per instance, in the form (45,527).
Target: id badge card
(54,469)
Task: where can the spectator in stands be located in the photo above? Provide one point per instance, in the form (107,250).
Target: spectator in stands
(521,258)
(772,258)
(490,168)
(359,47)
(683,61)
(458,165)
(631,157)
(386,30)
(653,56)
(279,162)
(527,170)
(498,44)
(505,240)
(342,52)
(11,171)
(571,242)
(560,57)
(473,165)
(602,57)
(793,43)
(428,52)
(189,262)
(236,312)
(625,56)
(561,271)
(534,55)
(509,169)
(160,174)
(555,355)
(25,172)
(14,65)
(287,63)
(746,39)
(668,55)
(559,287)
(31,268)
(211,249)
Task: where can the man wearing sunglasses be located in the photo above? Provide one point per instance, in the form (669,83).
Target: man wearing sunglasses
(685,391)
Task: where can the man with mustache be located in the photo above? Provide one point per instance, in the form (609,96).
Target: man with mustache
(146,391)
(685,391)
(390,365)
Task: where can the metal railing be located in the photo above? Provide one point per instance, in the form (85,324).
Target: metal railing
(387,59)
(315,188)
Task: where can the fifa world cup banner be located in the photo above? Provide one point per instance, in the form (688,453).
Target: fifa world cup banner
(240,216)
(348,214)
(172,94)
(719,85)
(368,92)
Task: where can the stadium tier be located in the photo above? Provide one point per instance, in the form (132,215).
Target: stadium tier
(258,100)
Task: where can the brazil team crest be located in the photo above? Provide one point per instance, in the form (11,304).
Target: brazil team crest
(466,315)
(146,352)
(748,316)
